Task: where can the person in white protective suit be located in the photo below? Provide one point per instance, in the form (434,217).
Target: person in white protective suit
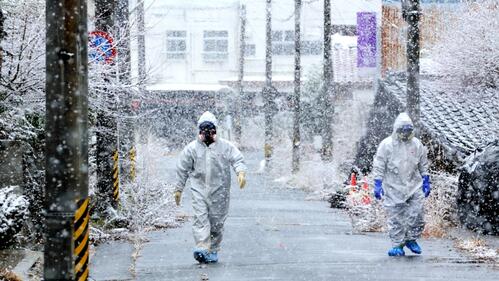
(207,162)
(401,176)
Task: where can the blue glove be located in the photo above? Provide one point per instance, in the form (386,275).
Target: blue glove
(378,189)
(426,185)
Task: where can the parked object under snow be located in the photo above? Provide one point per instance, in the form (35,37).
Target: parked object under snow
(13,211)
(478,195)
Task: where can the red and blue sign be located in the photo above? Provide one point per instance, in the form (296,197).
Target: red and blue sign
(101,47)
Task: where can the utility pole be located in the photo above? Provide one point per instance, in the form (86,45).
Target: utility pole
(411,12)
(327,134)
(240,100)
(296,97)
(268,91)
(126,124)
(107,137)
(66,160)
(2,35)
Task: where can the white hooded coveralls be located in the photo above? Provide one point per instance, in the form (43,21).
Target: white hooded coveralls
(208,167)
(401,165)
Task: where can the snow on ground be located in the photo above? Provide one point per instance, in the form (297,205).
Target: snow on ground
(478,249)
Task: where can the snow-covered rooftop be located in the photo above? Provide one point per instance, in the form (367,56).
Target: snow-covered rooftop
(261,78)
(187,87)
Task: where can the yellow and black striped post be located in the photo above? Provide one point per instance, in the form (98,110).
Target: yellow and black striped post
(133,154)
(116,178)
(80,238)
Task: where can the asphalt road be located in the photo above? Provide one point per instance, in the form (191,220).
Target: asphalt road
(272,233)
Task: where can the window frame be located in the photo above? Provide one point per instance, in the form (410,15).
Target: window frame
(283,42)
(175,36)
(219,49)
(250,50)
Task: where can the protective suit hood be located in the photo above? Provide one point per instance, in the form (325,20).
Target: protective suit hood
(403,129)
(208,116)
(400,121)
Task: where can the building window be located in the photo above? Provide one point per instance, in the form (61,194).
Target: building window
(216,45)
(345,30)
(311,48)
(176,44)
(283,42)
(249,50)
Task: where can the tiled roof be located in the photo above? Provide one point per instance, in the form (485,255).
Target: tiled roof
(461,119)
(454,121)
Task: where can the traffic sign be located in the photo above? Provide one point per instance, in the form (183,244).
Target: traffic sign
(101,47)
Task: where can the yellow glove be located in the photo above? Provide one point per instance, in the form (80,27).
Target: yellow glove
(178,195)
(241,178)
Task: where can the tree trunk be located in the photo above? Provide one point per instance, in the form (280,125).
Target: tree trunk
(141,46)
(240,99)
(296,97)
(66,139)
(268,91)
(412,15)
(328,110)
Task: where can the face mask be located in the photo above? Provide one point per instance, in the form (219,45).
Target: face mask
(207,131)
(208,136)
(405,133)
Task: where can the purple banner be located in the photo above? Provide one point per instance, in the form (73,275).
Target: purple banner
(366,39)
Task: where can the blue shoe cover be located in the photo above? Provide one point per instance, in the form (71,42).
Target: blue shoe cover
(413,246)
(396,252)
(201,255)
(212,257)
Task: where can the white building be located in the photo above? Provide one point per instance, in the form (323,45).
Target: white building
(197,41)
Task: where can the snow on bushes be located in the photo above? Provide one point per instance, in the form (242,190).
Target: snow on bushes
(13,211)
(440,206)
(148,202)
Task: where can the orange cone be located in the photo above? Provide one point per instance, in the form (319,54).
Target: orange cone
(353,182)
(366,200)
(365,185)
(353,179)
